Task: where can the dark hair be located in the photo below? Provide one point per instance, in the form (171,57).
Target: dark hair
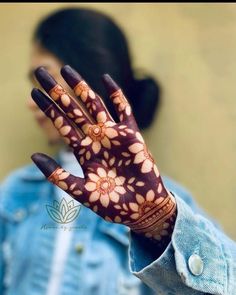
(93,44)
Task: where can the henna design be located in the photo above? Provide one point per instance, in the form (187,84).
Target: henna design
(105,186)
(121,104)
(153,218)
(72,108)
(59,176)
(68,132)
(99,136)
(121,180)
(90,99)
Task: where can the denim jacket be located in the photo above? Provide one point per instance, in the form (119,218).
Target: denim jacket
(107,258)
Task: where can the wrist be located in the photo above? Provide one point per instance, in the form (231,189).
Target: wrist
(158,222)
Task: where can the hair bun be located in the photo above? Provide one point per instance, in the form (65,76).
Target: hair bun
(144,99)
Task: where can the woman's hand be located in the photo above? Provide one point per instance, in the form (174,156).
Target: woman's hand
(121,181)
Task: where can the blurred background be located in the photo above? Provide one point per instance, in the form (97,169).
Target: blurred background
(190,49)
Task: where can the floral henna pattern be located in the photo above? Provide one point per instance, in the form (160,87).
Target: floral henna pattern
(129,200)
(122,104)
(72,109)
(143,155)
(82,89)
(105,186)
(101,134)
(59,176)
(93,103)
(154,217)
(121,180)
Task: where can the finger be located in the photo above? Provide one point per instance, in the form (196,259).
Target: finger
(121,104)
(71,184)
(66,129)
(65,101)
(92,101)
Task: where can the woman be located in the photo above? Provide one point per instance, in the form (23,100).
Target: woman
(154,230)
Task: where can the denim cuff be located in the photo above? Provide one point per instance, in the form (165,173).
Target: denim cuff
(193,263)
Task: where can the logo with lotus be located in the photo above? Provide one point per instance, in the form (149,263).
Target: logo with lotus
(63,211)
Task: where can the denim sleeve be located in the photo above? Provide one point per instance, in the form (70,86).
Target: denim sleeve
(171,273)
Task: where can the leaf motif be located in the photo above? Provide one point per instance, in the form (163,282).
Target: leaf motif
(56,204)
(63,211)
(71,204)
(54,214)
(63,208)
(72,214)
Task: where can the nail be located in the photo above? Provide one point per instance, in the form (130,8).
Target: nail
(71,76)
(46,164)
(45,79)
(41,99)
(110,84)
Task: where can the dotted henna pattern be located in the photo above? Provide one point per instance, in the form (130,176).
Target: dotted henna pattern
(121,180)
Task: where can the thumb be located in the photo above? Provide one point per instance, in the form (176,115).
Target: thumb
(71,184)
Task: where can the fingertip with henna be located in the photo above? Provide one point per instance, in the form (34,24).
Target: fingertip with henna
(110,84)
(41,99)
(45,79)
(46,164)
(71,76)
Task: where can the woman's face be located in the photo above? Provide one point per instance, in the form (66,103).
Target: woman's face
(41,57)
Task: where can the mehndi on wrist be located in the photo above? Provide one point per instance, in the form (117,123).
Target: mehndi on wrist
(157,220)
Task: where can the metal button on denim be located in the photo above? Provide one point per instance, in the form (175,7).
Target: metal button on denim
(195,264)
(79,248)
